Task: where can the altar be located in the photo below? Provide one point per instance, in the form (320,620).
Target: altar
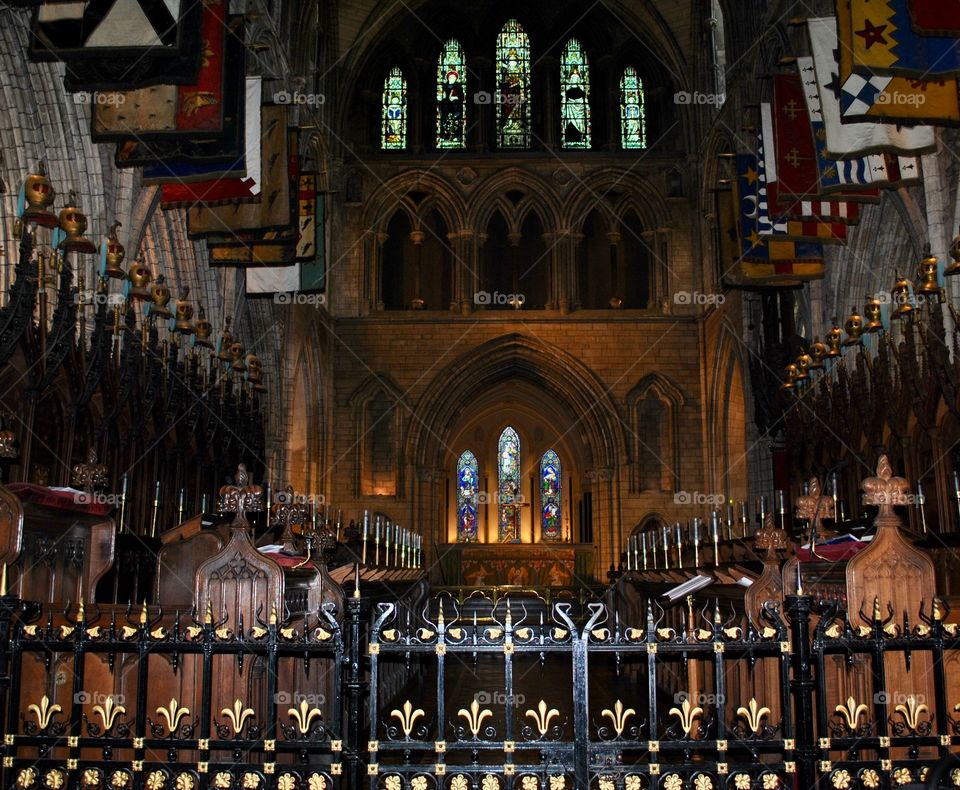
(524,564)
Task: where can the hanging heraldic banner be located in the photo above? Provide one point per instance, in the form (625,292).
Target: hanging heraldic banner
(161,110)
(119,44)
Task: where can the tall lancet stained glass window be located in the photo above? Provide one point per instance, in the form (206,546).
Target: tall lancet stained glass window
(633,127)
(513,87)
(551,526)
(508,477)
(451,97)
(467,497)
(393,129)
(574,96)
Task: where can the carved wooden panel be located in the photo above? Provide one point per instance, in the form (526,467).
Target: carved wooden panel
(239,580)
(177,565)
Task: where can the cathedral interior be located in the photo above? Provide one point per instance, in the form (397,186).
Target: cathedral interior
(446,355)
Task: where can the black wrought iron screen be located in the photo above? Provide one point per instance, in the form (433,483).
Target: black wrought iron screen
(388,699)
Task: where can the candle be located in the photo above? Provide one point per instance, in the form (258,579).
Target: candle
(629,553)
(366,526)
(763,510)
(730,519)
(180,505)
(376,542)
(156,507)
(339,522)
(203,503)
(696,542)
(396,545)
(956,493)
(678,539)
(643,543)
(386,541)
(744,518)
(636,552)
(666,548)
(715,532)
(123,503)
(837,515)
(921,501)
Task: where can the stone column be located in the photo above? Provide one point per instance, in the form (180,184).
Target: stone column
(554,285)
(617,293)
(611,538)
(564,289)
(659,274)
(417,237)
(372,297)
(514,239)
(465,279)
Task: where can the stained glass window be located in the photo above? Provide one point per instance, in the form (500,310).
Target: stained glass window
(508,476)
(513,87)
(551,527)
(575,96)
(393,134)
(633,130)
(451,97)
(467,497)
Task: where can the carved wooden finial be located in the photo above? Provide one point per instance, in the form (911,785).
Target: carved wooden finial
(885,491)
(241,498)
(288,511)
(814,506)
(769,538)
(90,475)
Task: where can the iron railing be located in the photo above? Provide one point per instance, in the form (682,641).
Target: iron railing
(377,696)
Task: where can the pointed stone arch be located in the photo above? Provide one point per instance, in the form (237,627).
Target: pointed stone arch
(492,195)
(530,360)
(727,416)
(378,424)
(442,195)
(653,419)
(624,190)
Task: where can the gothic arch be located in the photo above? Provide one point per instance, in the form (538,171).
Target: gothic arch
(643,196)
(492,196)
(503,358)
(650,521)
(727,418)
(378,421)
(654,449)
(442,196)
